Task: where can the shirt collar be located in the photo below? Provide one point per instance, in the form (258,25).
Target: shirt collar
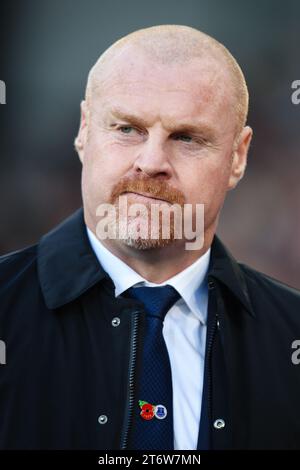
(191,283)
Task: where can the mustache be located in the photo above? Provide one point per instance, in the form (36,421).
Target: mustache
(157,188)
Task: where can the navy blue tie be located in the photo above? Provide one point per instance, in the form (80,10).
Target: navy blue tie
(152,426)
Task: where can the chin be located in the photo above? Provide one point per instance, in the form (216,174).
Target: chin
(146,243)
(137,234)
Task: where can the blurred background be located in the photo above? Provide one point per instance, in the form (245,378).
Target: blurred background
(46,50)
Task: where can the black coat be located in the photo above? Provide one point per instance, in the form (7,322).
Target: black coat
(68,362)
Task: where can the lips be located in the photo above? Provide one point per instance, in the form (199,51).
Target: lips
(145,195)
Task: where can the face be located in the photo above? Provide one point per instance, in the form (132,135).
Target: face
(160,134)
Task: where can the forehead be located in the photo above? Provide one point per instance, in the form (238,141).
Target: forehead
(197,89)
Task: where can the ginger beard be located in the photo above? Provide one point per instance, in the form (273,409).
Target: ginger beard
(152,221)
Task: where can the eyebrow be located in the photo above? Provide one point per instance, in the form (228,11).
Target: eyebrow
(196,128)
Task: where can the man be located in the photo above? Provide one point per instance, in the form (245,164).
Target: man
(92,360)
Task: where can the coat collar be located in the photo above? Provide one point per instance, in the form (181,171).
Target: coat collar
(67,265)
(228,272)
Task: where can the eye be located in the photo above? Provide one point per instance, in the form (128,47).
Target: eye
(126,129)
(183,137)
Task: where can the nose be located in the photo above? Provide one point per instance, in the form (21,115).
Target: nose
(153,158)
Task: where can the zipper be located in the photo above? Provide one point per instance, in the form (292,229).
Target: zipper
(131,377)
(209,352)
(211,338)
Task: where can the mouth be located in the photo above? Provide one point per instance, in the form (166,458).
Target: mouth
(145,195)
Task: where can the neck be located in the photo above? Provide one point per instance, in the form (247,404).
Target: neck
(158,264)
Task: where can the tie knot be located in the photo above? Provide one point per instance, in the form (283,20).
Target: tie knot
(157,300)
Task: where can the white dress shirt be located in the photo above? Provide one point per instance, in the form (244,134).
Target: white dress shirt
(184,332)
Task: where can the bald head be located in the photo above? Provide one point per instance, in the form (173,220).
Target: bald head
(169,45)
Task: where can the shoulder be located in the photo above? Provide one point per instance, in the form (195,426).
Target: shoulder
(270,293)
(263,281)
(16,265)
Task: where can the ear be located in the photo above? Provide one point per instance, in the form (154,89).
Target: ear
(239,158)
(80,140)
